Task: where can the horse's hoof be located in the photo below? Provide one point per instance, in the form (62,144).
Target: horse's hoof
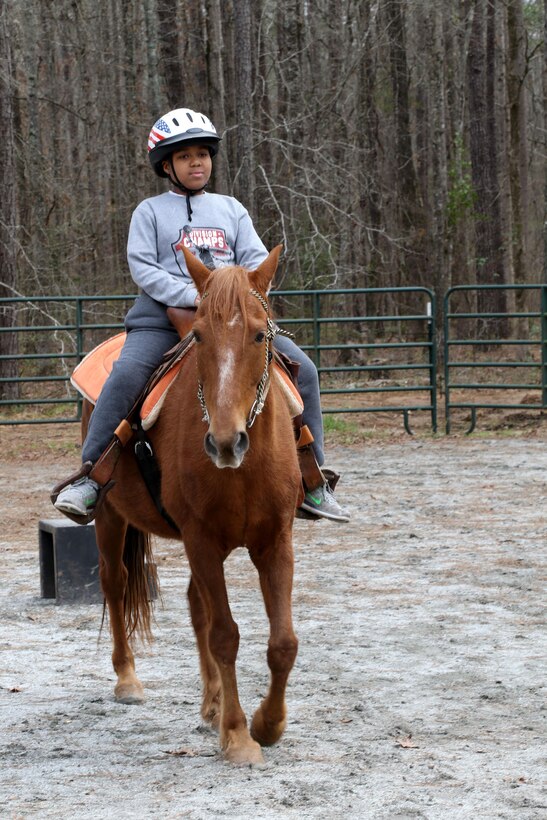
(266,733)
(244,754)
(129,693)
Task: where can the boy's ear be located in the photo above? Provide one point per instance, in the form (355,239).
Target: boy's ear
(196,269)
(264,274)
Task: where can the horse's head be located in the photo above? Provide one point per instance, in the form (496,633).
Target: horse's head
(233,333)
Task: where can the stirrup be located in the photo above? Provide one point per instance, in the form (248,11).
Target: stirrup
(331,476)
(84,471)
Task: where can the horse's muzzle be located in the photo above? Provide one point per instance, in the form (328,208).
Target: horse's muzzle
(227,454)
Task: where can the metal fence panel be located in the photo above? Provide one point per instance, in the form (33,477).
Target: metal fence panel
(512,359)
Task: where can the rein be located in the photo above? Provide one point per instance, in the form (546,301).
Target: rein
(272,330)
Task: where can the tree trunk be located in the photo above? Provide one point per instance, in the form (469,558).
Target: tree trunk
(244,110)
(407,198)
(483,148)
(518,143)
(172,68)
(544,279)
(400,85)
(8,219)
(216,110)
(440,277)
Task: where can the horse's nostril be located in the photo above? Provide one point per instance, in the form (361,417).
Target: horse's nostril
(210,445)
(241,444)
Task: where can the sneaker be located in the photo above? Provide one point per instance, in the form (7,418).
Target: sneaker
(78,498)
(322,503)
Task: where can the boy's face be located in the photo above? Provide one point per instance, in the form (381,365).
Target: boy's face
(192,165)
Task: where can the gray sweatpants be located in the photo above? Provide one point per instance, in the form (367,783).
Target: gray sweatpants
(142,353)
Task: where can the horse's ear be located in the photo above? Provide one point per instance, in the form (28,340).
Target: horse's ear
(264,274)
(196,269)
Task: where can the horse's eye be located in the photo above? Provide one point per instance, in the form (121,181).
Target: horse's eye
(260,336)
(197,337)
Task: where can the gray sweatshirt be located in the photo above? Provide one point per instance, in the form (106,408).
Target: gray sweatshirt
(160,227)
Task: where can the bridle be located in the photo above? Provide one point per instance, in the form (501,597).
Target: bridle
(272,330)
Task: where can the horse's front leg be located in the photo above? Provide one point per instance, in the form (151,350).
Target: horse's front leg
(275,566)
(201,621)
(110,531)
(208,574)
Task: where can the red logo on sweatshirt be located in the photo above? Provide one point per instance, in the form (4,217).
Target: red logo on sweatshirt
(212,238)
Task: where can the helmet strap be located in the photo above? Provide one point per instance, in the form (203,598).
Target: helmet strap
(187,191)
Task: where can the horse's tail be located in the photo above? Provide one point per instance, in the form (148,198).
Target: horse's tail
(142,583)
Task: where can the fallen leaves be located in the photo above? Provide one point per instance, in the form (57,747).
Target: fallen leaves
(406,742)
(181,752)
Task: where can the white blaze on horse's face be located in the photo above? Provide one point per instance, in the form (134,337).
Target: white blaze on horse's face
(226,364)
(228,398)
(226,373)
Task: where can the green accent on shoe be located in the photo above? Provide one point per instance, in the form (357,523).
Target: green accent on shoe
(322,503)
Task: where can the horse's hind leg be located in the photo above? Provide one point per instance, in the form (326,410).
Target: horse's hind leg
(201,621)
(110,534)
(275,567)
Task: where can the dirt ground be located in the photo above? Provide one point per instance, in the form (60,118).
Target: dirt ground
(418,691)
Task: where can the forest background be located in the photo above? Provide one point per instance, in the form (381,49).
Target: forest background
(388,143)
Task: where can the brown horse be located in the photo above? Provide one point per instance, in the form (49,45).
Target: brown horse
(230,478)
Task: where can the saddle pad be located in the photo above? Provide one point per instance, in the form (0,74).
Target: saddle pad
(91,373)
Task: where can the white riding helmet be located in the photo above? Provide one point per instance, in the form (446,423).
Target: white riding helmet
(181,126)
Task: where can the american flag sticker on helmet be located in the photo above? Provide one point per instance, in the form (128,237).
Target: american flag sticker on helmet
(159,131)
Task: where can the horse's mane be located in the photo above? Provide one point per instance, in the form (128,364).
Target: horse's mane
(227,294)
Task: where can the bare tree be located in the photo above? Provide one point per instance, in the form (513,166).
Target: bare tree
(408,202)
(8,219)
(244,108)
(544,78)
(483,126)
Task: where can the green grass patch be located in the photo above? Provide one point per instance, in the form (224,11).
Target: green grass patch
(336,424)
(340,430)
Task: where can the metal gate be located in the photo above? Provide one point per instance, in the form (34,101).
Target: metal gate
(518,349)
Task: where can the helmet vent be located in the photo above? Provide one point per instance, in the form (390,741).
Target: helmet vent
(175,121)
(189,116)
